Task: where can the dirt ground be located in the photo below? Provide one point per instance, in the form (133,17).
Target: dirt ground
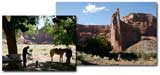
(41,53)
(87,59)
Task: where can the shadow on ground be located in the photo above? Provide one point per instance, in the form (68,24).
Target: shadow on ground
(47,66)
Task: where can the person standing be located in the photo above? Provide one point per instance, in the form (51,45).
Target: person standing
(68,55)
(25,52)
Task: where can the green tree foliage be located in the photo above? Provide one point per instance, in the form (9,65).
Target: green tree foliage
(97,46)
(48,28)
(20,22)
(32,30)
(11,25)
(63,30)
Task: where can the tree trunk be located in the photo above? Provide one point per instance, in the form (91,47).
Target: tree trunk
(10,36)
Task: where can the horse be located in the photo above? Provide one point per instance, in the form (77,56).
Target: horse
(59,52)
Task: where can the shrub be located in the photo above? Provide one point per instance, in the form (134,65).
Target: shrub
(145,55)
(97,46)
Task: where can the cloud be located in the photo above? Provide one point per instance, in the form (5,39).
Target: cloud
(87,23)
(90,8)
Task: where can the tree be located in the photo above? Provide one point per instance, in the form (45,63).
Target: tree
(63,30)
(11,24)
(98,45)
(48,28)
(32,30)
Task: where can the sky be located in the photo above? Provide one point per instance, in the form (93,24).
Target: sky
(42,19)
(99,13)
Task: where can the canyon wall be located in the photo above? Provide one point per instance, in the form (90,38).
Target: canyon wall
(133,28)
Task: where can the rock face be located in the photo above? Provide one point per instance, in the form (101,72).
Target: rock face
(40,38)
(116,36)
(123,33)
(87,31)
(146,46)
(133,28)
(43,38)
(130,35)
(145,26)
(146,23)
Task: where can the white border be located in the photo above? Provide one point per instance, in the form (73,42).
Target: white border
(47,7)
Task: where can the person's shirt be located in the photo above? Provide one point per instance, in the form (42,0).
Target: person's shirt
(25,51)
(68,53)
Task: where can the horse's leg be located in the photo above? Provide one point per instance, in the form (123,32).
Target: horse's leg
(59,58)
(62,57)
(51,55)
(52,58)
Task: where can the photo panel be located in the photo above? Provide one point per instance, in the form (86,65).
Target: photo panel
(39,43)
(114,33)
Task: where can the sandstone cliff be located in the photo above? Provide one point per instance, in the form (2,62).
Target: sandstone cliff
(87,31)
(40,38)
(146,23)
(133,28)
(116,32)
(124,33)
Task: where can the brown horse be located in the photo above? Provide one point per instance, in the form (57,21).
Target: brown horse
(59,52)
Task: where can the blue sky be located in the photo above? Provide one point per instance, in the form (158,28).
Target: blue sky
(99,13)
